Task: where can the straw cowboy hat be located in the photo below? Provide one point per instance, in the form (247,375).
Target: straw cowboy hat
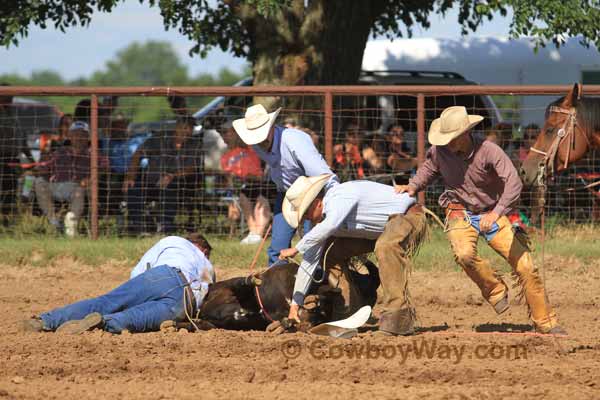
(299,197)
(256,124)
(453,122)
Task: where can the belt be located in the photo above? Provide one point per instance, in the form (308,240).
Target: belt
(189,294)
(457,207)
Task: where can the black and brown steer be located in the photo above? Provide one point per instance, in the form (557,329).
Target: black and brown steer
(236,303)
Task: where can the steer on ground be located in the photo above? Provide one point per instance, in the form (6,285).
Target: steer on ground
(234,303)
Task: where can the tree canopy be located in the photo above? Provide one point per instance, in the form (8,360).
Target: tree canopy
(312,41)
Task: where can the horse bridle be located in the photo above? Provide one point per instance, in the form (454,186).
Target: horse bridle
(566,132)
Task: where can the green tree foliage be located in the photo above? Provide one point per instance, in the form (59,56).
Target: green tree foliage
(149,64)
(146,64)
(312,41)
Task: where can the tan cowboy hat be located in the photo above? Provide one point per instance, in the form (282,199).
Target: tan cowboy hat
(299,197)
(453,122)
(256,124)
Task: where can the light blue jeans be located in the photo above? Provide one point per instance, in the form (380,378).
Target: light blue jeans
(282,233)
(139,305)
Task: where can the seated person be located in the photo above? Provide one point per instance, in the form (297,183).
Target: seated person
(244,168)
(389,154)
(169,283)
(64,177)
(347,159)
(174,160)
(530,134)
(491,135)
(118,148)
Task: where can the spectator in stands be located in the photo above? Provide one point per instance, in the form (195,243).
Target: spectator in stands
(530,133)
(244,168)
(106,106)
(313,135)
(49,142)
(505,136)
(64,177)
(491,135)
(116,147)
(347,158)
(12,144)
(174,161)
(389,154)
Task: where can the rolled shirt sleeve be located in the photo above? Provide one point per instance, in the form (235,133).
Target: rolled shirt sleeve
(507,172)
(311,245)
(426,173)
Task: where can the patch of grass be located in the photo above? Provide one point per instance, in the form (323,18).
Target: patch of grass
(578,242)
(41,250)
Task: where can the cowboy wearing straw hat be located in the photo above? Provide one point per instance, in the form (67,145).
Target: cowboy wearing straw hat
(355,218)
(289,153)
(482,185)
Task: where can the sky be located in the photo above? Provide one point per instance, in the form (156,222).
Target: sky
(81,51)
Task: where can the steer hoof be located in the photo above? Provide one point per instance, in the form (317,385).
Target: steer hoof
(275,328)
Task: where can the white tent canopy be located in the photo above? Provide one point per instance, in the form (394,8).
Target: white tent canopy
(489,60)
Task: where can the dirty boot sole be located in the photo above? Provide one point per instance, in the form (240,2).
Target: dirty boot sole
(32,325)
(557,330)
(75,327)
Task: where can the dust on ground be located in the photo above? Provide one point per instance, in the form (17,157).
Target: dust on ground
(456,356)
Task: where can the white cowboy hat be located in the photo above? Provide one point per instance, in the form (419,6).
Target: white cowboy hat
(345,328)
(256,124)
(299,197)
(453,122)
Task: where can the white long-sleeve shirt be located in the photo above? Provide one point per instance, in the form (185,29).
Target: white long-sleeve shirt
(358,209)
(182,254)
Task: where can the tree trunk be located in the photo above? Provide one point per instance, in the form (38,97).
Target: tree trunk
(322,43)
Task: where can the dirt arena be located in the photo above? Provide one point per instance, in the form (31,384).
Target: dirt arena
(449,360)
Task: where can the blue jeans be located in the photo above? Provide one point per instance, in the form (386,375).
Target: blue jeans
(139,305)
(475,219)
(282,233)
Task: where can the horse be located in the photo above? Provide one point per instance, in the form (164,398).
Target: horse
(570,131)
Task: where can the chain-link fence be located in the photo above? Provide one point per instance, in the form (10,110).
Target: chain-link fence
(148,160)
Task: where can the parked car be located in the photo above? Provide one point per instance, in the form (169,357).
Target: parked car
(375,112)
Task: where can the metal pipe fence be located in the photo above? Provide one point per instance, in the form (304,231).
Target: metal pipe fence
(364,132)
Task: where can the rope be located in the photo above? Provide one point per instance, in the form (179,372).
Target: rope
(187,301)
(259,249)
(252,265)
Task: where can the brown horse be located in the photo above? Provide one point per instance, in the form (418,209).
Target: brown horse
(571,129)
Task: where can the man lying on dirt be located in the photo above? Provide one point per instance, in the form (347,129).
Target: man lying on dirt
(482,185)
(170,280)
(355,218)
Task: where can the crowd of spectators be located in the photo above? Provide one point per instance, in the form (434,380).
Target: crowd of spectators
(151,177)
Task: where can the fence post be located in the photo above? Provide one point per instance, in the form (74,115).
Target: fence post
(421,136)
(94,167)
(328,105)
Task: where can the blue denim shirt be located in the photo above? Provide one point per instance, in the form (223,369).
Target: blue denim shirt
(293,154)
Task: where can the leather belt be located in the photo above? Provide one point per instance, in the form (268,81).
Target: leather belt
(457,208)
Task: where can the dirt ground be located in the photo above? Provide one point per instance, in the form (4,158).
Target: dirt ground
(455,357)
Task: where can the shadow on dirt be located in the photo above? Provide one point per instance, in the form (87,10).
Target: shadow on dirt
(504,327)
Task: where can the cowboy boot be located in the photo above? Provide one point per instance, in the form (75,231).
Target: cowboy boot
(398,322)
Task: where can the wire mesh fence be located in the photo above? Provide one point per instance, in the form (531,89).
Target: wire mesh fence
(171,162)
